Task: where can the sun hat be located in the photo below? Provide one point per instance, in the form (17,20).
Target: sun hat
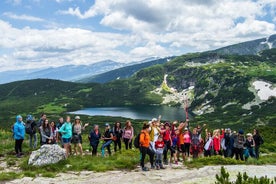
(106,124)
(153,120)
(77,117)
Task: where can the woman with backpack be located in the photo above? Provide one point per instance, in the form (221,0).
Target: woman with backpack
(30,128)
(144,141)
(18,135)
(128,133)
(77,138)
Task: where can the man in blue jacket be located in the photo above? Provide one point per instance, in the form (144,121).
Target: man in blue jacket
(18,134)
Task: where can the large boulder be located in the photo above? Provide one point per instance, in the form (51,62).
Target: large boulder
(47,154)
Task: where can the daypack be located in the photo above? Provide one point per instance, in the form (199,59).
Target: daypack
(28,127)
(137,141)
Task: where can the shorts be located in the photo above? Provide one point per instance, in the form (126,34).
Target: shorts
(181,148)
(66,140)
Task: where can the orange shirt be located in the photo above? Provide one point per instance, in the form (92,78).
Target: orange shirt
(180,137)
(144,138)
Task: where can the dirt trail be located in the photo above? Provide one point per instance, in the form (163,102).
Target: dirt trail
(179,174)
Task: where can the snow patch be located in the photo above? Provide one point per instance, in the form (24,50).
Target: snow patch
(268,43)
(264,90)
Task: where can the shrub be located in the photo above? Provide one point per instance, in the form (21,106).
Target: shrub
(223,178)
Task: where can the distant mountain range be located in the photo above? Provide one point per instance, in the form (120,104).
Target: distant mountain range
(249,47)
(124,72)
(65,73)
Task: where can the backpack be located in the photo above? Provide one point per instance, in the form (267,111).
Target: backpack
(28,127)
(137,141)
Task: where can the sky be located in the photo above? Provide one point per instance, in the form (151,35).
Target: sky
(44,33)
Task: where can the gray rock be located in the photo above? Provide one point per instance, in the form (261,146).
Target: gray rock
(47,154)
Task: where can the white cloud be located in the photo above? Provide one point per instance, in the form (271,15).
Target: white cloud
(22,17)
(145,28)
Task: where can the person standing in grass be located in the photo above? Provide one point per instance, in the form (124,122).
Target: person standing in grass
(32,132)
(258,142)
(195,143)
(54,130)
(128,133)
(77,138)
(43,117)
(59,135)
(117,132)
(66,131)
(46,133)
(239,141)
(19,134)
(249,145)
(108,138)
(94,138)
(144,141)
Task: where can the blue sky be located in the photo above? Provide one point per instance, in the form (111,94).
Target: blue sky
(42,33)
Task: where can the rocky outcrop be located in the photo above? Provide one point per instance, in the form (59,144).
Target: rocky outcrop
(47,154)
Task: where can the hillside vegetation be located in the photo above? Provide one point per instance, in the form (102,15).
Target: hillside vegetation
(221,84)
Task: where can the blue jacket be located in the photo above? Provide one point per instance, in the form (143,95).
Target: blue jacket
(94,138)
(18,129)
(66,130)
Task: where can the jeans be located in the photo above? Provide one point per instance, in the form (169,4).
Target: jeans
(158,161)
(33,141)
(107,145)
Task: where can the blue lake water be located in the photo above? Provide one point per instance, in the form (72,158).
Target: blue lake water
(140,112)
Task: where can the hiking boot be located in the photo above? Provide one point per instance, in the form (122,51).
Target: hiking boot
(157,167)
(152,167)
(176,163)
(145,169)
(18,156)
(166,162)
(162,167)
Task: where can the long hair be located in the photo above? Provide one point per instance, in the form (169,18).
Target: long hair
(44,126)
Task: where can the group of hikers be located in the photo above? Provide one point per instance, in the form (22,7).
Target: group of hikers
(156,139)
(66,134)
